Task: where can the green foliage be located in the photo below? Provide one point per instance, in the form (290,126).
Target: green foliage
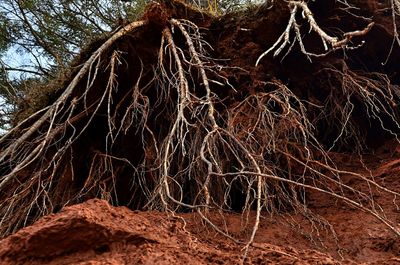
(52,32)
(4,33)
(234,5)
(39,38)
(48,34)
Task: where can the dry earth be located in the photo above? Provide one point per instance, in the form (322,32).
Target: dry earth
(96,233)
(329,232)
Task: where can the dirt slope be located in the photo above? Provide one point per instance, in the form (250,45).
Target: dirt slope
(119,140)
(96,233)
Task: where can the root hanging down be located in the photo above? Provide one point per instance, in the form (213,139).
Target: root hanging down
(330,43)
(147,122)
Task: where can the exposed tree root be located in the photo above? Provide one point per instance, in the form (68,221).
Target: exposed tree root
(190,151)
(330,43)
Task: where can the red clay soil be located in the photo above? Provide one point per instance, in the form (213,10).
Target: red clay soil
(96,233)
(330,233)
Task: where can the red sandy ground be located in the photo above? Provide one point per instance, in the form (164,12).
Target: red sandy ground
(96,233)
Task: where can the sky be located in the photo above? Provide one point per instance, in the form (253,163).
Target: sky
(14,59)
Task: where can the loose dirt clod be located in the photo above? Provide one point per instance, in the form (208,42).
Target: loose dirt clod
(97,233)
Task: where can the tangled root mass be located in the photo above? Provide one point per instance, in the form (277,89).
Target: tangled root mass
(171,113)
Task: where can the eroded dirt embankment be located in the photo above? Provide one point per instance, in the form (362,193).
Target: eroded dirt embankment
(96,233)
(328,232)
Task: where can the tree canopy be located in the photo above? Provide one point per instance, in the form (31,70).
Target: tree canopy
(40,38)
(50,33)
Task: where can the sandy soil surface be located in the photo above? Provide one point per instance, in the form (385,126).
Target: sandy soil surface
(328,232)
